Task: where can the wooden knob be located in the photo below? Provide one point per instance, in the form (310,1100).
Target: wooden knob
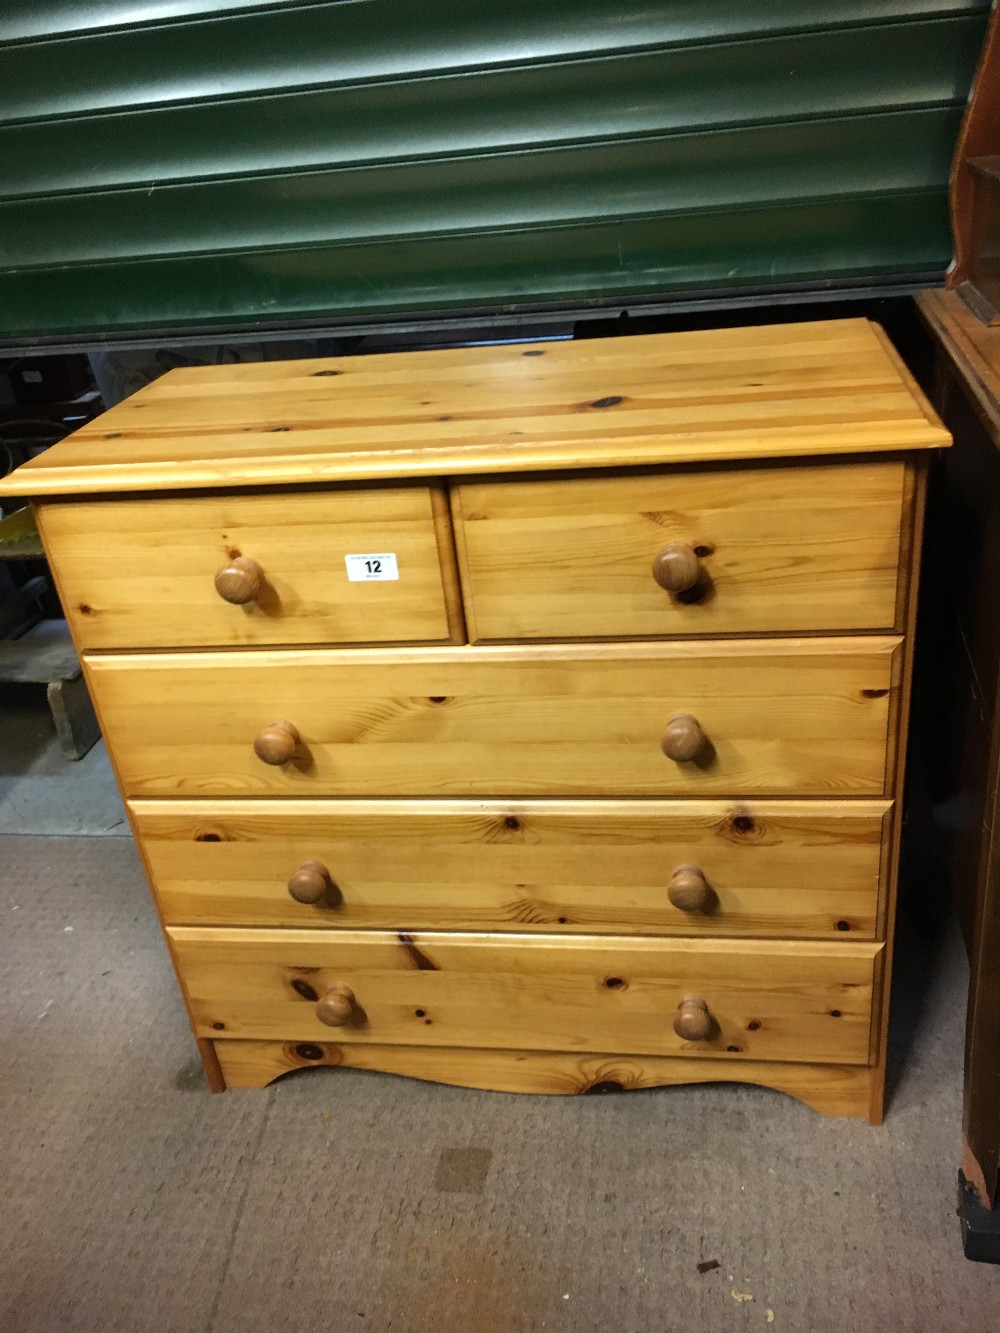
(336,1007)
(676,568)
(276,743)
(239,581)
(692,1022)
(689,890)
(311,884)
(683,739)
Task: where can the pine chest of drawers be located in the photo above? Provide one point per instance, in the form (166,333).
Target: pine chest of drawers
(524,717)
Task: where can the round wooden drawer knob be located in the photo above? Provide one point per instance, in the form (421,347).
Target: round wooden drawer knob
(692,1022)
(276,743)
(336,1007)
(689,890)
(676,567)
(312,884)
(239,581)
(683,739)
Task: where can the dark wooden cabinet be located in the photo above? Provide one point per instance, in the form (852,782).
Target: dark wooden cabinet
(957,713)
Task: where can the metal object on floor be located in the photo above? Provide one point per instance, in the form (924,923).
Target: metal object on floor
(45,656)
(980,1226)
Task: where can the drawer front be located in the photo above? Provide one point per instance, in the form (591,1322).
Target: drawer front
(794,868)
(772,550)
(806,717)
(141,573)
(763,1001)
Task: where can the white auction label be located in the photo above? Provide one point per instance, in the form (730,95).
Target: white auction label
(369,568)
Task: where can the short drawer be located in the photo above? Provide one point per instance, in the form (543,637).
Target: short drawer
(755,1000)
(794,868)
(806,717)
(143,573)
(740,550)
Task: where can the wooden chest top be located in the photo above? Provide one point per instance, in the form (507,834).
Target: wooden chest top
(830,387)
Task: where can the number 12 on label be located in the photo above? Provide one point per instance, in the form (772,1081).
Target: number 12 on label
(371,568)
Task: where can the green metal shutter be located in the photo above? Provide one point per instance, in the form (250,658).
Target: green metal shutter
(179,164)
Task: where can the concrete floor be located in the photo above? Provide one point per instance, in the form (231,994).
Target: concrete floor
(338,1200)
(41,791)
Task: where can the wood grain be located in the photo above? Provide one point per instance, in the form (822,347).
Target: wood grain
(448,564)
(896,773)
(214,1076)
(795,868)
(978,137)
(769,1000)
(830,1089)
(141,573)
(972,347)
(771,953)
(205,1048)
(792,717)
(790,549)
(959,745)
(770,392)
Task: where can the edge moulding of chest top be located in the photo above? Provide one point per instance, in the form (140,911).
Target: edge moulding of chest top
(826,388)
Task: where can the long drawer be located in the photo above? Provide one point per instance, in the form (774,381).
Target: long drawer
(741,550)
(143,573)
(794,717)
(767,1001)
(706,868)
